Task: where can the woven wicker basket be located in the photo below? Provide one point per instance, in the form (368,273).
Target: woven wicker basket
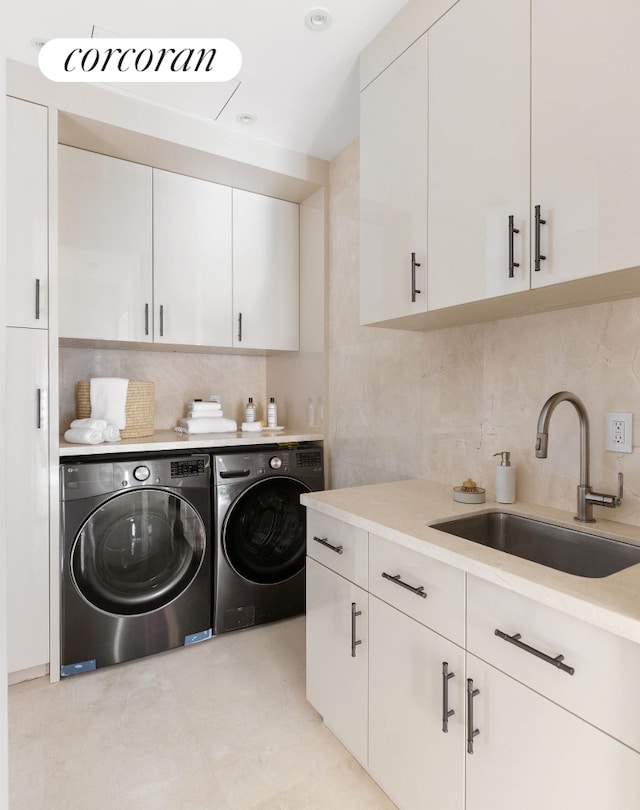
(139,408)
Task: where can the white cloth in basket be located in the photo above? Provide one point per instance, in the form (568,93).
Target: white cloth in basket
(109,400)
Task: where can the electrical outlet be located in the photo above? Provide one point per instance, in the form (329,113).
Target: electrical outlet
(618,432)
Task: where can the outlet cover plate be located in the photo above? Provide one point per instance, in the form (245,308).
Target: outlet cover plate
(619,432)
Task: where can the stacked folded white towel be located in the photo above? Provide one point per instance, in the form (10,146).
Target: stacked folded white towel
(91,431)
(206,417)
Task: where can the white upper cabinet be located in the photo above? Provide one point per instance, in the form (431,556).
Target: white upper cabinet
(105,247)
(393,189)
(27,214)
(266,275)
(585,137)
(478,152)
(192,272)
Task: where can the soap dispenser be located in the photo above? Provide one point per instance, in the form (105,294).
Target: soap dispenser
(505,479)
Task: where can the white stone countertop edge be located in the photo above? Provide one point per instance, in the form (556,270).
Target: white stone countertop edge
(402,511)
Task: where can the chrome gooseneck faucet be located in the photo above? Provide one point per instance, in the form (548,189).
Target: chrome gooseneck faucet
(586,497)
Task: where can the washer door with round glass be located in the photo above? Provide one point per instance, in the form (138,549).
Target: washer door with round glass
(138,552)
(264,534)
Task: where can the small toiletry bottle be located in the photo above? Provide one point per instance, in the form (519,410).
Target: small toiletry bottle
(250,411)
(311,412)
(505,479)
(272,413)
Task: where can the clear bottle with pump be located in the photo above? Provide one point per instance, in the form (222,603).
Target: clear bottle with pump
(505,478)
(250,411)
(272,413)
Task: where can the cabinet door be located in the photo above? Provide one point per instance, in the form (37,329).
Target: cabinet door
(105,246)
(393,189)
(337,655)
(27,516)
(191,260)
(586,137)
(478,151)
(27,214)
(266,272)
(410,755)
(530,753)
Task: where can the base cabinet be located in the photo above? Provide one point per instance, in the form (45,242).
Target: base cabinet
(415,755)
(530,753)
(337,655)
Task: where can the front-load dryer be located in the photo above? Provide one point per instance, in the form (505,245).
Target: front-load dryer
(135,558)
(260,532)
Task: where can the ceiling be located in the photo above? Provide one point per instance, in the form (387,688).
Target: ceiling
(301,85)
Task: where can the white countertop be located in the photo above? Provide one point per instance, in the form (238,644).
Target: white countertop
(170,440)
(401,512)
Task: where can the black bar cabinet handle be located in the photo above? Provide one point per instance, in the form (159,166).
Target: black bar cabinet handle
(37,299)
(146,319)
(354,643)
(161,320)
(512,230)
(556,662)
(240,327)
(419,591)
(39,407)
(446,711)
(538,257)
(414,264)
(325,542)
(471,731)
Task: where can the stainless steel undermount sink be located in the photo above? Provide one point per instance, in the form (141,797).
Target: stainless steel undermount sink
(569,550)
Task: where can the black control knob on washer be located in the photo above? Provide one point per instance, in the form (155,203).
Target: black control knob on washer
(275,463)
(141,473)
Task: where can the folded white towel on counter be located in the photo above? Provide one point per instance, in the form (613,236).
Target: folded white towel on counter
(92,424)
(251,427)
(204,407)
(83,436)
(205,414)
(109,399)
(205,425)
(111,434)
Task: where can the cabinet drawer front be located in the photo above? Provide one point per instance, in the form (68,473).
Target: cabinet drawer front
(339,546)
(401,577)
(603,686)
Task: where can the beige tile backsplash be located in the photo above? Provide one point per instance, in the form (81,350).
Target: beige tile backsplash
(178,376)
(439,404)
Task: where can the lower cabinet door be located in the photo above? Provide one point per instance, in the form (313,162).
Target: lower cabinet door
(337,649)
(529,753)
(27,499)
(415,761)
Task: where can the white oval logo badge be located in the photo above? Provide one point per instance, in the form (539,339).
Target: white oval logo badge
(139,60)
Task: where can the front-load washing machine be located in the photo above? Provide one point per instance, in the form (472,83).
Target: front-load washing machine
(260,532)
(135,557)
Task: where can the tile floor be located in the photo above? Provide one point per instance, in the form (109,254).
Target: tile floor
(222,725)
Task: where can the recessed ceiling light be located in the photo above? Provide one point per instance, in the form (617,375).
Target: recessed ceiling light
(318,19)
(246,118)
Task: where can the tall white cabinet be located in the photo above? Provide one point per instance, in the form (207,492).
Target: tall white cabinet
(478,231)
(27,388)
(393,188)
(192,260)
(105,247)
(266,272)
